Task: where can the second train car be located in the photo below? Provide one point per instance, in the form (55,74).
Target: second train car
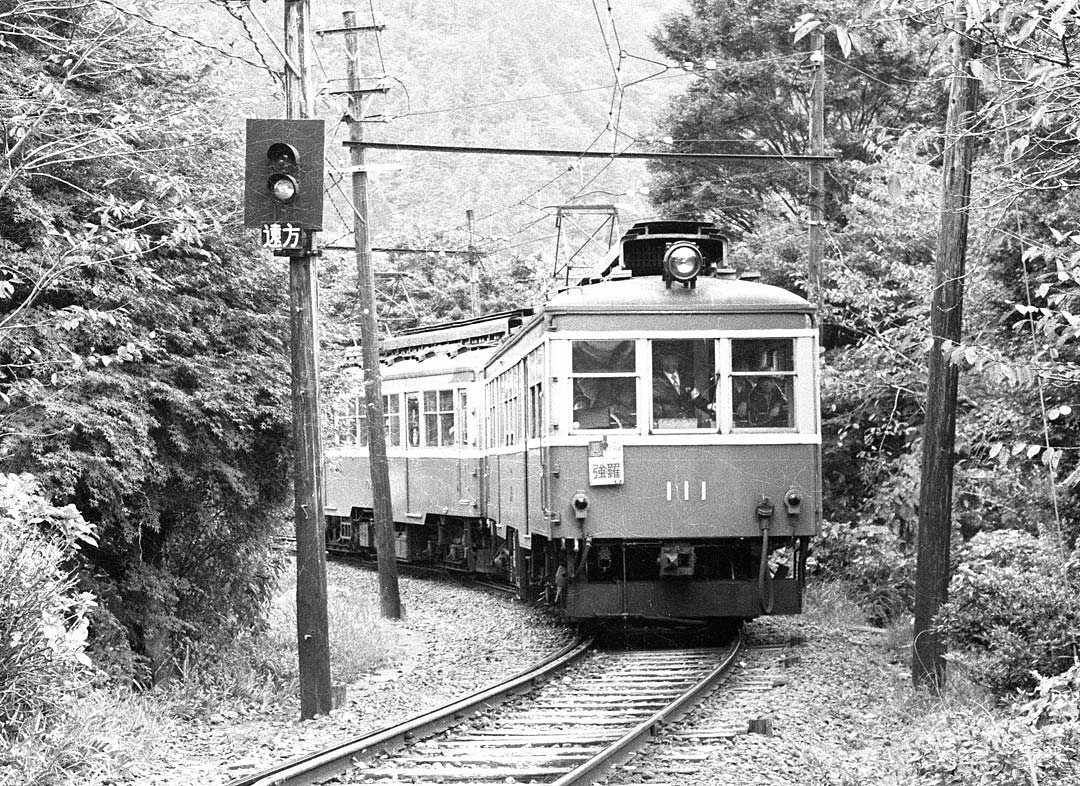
(646,445)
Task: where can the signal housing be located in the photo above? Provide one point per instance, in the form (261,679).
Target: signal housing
(283,173)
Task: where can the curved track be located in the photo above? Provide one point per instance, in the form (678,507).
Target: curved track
(569,730)
(333,761)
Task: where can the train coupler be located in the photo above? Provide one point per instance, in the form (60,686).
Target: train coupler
(676,559)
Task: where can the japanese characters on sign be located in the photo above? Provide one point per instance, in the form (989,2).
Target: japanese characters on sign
(282,237)
(605,463)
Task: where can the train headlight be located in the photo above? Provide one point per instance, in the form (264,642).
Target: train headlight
(793,502)
(581,506)
(682,262)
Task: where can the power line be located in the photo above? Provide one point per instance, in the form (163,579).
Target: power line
(178,34)
(561,153)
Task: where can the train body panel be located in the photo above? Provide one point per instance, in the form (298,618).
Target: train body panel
(686,491)
(663,599)
(641,446)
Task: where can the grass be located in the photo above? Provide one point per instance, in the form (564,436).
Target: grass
(360,640)
(106,733)
(830,604)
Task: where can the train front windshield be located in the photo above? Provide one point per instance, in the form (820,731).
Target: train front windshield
(685,385)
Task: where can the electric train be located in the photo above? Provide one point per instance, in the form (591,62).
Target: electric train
(644,446)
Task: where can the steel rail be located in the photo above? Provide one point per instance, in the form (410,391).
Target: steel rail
(571,731)
(333,761)
(588,771)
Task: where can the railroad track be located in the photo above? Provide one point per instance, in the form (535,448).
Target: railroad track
(580,713)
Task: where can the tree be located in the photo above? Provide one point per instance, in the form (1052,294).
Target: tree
(141,344)
(757,100)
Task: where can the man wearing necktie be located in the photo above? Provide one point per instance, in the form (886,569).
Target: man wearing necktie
(671,397)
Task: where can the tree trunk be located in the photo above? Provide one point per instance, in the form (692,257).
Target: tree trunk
(946,319)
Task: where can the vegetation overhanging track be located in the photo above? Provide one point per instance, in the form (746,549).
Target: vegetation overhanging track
(332,761)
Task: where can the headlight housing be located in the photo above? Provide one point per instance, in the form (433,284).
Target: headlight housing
(682,262)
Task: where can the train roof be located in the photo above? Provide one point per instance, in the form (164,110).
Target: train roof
(438,364)
(647,294)
(446,339)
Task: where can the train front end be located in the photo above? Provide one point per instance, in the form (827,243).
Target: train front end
(678,474)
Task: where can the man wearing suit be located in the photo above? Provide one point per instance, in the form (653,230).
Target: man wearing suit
(672,397)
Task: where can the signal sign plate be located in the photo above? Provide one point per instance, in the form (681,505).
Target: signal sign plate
(282,237)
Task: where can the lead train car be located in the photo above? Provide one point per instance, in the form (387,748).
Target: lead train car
(646,445)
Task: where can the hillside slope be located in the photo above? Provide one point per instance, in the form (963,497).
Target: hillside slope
(472,72)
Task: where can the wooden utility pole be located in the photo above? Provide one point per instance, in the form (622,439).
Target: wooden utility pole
(312,626)
(816,240)
(474,270)
(946,319)
(389,597)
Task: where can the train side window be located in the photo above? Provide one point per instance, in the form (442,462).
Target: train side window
(604,384)
(412,419)
(392,418)
(534,400)
(762,383)
(463,417)
(355,426)
(536,411)
(684,384)
(438,418)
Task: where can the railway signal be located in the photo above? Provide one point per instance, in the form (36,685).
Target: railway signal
(283,179)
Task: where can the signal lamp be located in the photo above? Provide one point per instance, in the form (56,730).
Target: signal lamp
(682,262)
(282,159)
(282,187)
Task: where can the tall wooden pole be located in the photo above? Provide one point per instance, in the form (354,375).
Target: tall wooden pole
(474,270)
(389,597)
(946,320)
(816,240)
(312,626)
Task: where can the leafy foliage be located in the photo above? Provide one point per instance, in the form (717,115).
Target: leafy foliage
(43,616)
(1013,609)
(1035,742)
(873,563)
(414,290)
(141,345)
(758,98)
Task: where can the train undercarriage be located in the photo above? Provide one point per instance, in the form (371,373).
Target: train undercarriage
(588,579)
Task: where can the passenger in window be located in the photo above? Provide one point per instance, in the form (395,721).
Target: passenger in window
(740,399)
(672,396)
(767,403)
(592,404)
(624,410)
(760,400)
(587,393)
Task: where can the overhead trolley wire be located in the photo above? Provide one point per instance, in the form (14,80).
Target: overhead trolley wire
(563,153)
